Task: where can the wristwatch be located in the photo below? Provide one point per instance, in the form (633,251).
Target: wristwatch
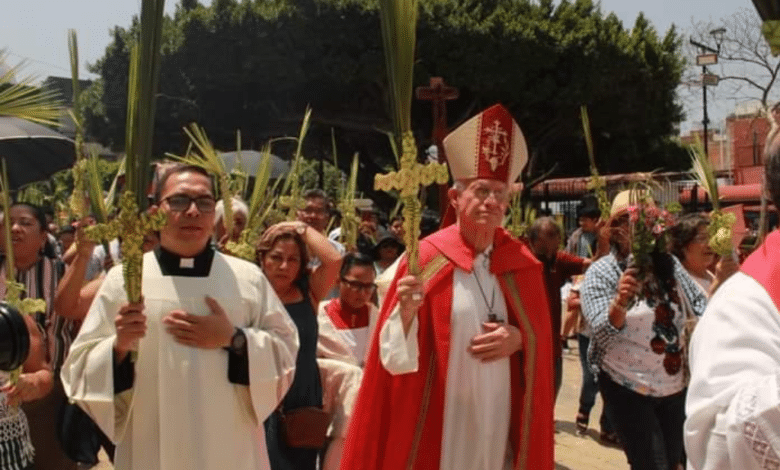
(237,342)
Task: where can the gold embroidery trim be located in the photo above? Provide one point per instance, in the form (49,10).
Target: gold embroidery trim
(427,274)
(423,413)
(528,367)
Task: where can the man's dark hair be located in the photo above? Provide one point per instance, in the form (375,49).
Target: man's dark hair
(355,259)
(175,170)
(772,170)
(684,231)
(539,224)
(589,207)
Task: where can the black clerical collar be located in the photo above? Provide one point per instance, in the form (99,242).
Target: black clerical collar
(172,264)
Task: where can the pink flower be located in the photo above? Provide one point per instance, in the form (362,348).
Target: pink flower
(658,229)
(633,214)
(652,212)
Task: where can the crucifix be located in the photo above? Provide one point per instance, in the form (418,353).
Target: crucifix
(438,93)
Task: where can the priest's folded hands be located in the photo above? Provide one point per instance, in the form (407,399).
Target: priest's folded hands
(206,332)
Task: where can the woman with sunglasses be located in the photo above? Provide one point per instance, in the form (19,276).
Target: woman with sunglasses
(636,318)
(283,255)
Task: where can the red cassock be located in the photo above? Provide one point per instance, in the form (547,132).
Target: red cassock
(763,265)
(397,421)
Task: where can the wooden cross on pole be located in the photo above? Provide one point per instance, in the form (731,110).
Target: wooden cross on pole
(438,93)
(132,226)
(408,180)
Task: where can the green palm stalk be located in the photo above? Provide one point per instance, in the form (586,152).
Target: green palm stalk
(14,290)
(721,223)
(141,105)
(399,34)
(596,182)
(19,97)
(350,222)
(520,217)
(95,187)
(291,189)
(78,205)
(260,206)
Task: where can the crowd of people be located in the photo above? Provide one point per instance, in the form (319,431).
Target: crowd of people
(316,355)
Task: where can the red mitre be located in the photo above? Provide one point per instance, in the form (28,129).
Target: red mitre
(490,146)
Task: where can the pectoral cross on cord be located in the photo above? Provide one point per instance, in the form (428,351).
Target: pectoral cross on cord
(492,317)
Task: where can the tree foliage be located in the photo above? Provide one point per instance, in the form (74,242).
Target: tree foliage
(255,65)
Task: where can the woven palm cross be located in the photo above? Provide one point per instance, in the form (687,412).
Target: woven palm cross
(132,226)
(408,180)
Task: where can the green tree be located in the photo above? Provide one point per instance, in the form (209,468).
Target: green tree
(255,65)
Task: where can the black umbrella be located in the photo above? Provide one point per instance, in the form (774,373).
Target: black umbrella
(32,152)
(250,161)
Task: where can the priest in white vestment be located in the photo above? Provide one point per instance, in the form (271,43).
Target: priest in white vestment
(733,401)
(215,348)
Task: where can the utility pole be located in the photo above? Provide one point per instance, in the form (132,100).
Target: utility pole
(707,56)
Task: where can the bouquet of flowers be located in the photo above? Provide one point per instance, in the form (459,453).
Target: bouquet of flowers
(649,226)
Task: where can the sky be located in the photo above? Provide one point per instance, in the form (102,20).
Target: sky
(36,31)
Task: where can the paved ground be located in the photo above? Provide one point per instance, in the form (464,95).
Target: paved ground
(572,452)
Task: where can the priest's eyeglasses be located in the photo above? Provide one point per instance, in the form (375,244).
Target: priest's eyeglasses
(182,202)
(367,287)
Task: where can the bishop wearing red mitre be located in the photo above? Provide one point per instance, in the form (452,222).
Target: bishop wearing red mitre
(459,372)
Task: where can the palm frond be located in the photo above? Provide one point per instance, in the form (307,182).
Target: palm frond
(399,35)
(142,103)
(291,189)
(19,97)
(260,194)
(596,183)
(5,198)
(704,174)
(349,221)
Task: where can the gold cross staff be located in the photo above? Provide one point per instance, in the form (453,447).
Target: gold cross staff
(408,180)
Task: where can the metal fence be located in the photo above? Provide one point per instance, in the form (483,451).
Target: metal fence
(561,197)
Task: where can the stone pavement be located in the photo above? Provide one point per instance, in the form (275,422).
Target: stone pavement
(572,452)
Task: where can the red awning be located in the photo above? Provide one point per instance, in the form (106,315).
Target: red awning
(728,194)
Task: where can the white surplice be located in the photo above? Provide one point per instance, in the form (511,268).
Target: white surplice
(733,402)
(477,398)
(182,412)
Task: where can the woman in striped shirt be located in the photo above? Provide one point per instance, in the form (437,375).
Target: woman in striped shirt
(38,269)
